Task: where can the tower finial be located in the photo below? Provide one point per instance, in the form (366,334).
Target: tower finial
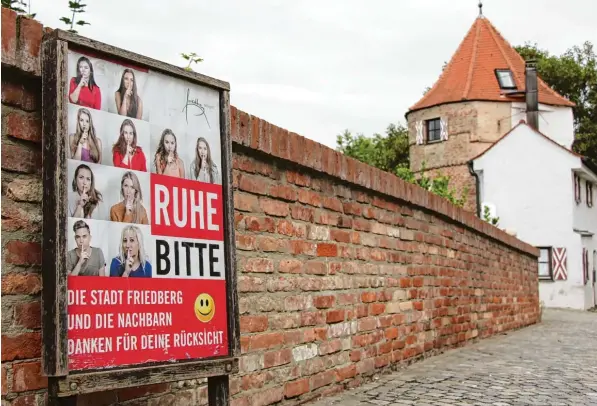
(480,8)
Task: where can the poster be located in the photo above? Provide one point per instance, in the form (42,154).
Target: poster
(145,231)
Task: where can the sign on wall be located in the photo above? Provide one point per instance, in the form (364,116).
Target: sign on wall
(138,261)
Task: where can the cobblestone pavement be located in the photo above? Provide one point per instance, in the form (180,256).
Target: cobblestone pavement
(552,363)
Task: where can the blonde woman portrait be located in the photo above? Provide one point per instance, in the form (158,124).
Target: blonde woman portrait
(126,153)
(130,209)
(132,260)
(203,168)
(167,161)
(84,144)
(85,200)
(82,88)
(128,102)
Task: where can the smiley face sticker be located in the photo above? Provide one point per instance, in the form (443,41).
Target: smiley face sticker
(204,307)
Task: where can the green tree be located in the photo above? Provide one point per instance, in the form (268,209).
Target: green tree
(20,6)
(574,75)
(389,153)
(76,7)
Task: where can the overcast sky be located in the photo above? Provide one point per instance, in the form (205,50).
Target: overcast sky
(319,67)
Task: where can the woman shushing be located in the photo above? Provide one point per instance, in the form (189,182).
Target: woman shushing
(132,261)
(126,153)
(203,168)
(130,209)
(84,144)
(85,201)
(128,102)
(167,161)
(83,90)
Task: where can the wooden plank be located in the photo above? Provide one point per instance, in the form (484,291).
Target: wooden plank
(79,383)
(142,60)
(229,234)
(54,174)
(218,391)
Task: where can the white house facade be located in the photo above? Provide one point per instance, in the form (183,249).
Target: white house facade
(543,192)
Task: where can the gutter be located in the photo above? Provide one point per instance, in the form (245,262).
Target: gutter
(477,196)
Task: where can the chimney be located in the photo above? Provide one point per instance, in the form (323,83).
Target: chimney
(531,95)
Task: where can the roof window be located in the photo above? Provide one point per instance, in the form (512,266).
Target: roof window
(505,78)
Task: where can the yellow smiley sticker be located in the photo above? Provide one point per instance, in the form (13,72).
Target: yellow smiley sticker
(204,307)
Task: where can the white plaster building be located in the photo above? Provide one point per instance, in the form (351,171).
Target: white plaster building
(543,192)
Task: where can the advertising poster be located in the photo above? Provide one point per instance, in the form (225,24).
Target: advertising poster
(145,233)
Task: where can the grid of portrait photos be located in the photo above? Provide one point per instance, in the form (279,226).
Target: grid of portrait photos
(125,123)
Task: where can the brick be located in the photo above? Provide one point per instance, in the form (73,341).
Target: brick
(367,297)
(276,358)
(253,184)
(244,202)
(16,216)
(260,224)
(250,284)
(296,388)
(260,265)
(300,302)
(253,324)
(267,396)
(333,203)
(253,381)
(303,247)
(21,283)
(290,266)
(283,192)
(297,212)
(274,207)
(31,33)
(245,242)
(269,244)
(140,391)
(335,316)
(315,268)
(9,36)
(20,158)
(266,340)
(324,302)
(23,253)
(28,376)
(298,179)
(322,379)
(330,347)
(327,250)
(304,352)
(310,198)
(318,233)
(25,189)
(19,95)
(28,315)
(25,126)
(347,372)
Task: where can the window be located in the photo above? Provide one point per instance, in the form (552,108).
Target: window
(577,197)
(589,194)
(433,130)
(545,270)
(505,78)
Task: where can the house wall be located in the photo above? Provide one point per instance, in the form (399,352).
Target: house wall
(472,128)
(344,271)
(533,196)
(557,122)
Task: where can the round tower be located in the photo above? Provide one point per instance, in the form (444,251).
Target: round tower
(478,98)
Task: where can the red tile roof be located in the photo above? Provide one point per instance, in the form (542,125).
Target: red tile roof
(470,74)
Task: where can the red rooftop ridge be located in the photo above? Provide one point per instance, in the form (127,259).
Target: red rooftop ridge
(470,74)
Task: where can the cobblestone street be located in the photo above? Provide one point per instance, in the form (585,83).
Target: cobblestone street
(553,363)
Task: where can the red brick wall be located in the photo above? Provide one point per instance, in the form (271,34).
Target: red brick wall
(344,271)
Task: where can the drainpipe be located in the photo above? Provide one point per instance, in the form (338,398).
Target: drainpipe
(477,195)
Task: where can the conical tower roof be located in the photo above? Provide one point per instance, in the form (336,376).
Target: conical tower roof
(471,73)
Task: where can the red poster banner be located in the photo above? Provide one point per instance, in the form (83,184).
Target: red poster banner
(117,321)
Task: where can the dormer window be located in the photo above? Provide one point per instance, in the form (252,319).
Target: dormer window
(505,79)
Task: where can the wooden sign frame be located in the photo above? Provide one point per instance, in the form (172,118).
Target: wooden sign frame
(64,385)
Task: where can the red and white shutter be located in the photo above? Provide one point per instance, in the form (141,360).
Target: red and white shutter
(443,125)
(419,129)
(560,269)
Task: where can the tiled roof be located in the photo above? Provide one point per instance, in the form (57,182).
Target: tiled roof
(470,74)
